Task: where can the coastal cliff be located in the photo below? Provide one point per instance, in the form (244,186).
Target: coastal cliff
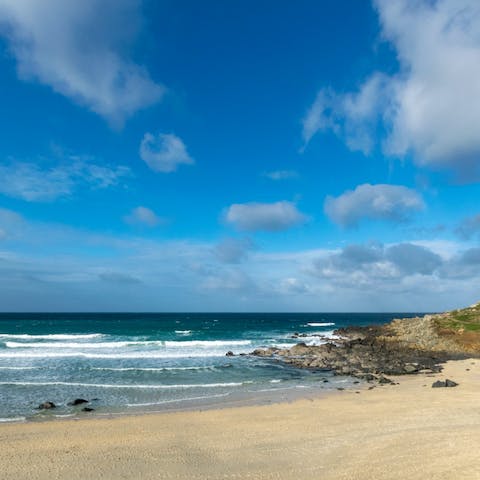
(403,346)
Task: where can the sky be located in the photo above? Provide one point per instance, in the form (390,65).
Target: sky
(239,156)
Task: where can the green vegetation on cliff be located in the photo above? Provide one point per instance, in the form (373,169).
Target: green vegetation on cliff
(465,319)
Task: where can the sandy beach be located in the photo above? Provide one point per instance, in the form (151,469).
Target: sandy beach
(390,432)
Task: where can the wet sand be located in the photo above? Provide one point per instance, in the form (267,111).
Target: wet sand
(407,431)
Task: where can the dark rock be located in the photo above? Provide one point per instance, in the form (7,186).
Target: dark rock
(340,388)
(450,383)
(46,406)
(384,380)
(77,401)
(229,354)
(88,409)
(439,384)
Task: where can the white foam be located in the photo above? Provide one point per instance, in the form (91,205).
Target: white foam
(18,368)
(183,332)
(124,344)
(153,369)
(55,336)
(12,419)
(136,355)
(102,385)
(79,345)
(206,343)
(176,400)
(320,324)
(283,345)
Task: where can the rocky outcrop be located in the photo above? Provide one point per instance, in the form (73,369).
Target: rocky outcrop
(46,406)
(404,346)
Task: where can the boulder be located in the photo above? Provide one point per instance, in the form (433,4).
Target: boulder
(46,406)
(450,383)
(88,409)
(446,383)
(229,354)
(384,380)
(77,401)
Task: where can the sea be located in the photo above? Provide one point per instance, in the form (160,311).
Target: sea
(128,363)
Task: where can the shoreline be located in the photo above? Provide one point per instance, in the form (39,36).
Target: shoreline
(392,431)
(224,401)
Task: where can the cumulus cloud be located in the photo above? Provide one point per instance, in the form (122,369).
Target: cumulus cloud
(164,152)
(32,183)
(271,217)
(429,107)
(143,216)
(79,49)
(65,268)
(281,174)
(379,202)
(367,265)
(412,259)
(233,250)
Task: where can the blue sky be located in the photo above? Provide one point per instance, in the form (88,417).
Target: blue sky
(239,156)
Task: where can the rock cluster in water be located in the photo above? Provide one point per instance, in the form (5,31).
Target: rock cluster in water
(401,347)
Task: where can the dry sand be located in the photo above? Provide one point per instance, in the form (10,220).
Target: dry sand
(407,431)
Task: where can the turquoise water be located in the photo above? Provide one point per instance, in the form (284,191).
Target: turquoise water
(127,363)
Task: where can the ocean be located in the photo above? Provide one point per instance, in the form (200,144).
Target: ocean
(126,363)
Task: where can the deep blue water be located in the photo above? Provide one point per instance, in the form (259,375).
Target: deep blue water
(134,362)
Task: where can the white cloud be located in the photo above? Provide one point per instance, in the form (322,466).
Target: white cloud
(143,216)
(352,116)
(32,183)
(281,174)
(379,202)
(377,266)
(79,49)
(164,152)
(272,217)
(429,108)
(64,269)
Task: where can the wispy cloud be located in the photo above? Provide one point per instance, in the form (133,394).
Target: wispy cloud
(77,48)
(379,202)
(428,108)
(469,227)
(281,174)
(271,217)
(164,152)
(31,182)
(233,250)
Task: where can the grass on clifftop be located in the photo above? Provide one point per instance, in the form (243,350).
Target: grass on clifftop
(466,319)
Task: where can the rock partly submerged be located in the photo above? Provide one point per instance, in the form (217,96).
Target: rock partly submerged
(403,346)
(46,406)
(77,401)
